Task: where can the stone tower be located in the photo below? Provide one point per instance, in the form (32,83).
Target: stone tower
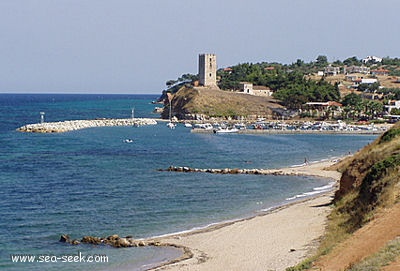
(208,70)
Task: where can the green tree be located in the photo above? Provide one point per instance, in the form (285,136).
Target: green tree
(369,87)
(321,61)
(353,105)
(352,61)
(170,83)
(395,111)
(372,108)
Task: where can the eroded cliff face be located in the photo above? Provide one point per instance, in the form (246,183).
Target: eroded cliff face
(370,181)
(355,171)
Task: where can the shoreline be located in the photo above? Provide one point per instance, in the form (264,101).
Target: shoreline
(218,246)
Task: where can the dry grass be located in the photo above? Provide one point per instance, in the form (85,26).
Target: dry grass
(370,183)
(380,259)
(218,103)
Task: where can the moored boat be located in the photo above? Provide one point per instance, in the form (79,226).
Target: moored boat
(226,130)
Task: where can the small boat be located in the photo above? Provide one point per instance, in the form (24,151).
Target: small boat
(171,125)
(203,126)
(226,130)
(128,140)
(188,125)
(241,126)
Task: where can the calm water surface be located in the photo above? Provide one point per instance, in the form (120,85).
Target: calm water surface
(90,182)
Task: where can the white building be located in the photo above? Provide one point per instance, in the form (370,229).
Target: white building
(369,81)
(374,59)
(331,71)
(392,104)
(247,88)
(262,91)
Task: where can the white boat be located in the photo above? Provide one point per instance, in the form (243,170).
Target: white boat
(226,130)
(188,125)
(203,126)
(171,125)
(241,126)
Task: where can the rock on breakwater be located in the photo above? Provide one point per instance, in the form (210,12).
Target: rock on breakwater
(229,171)
(112,240)
(71,125)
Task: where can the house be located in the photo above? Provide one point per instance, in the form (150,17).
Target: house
(356,69)
(331,71)
(373,59)
(324,104)
(228,70)
(246,88)
(368,81)
(262,91)
(382,72)
(324,109)
(392,105)
(351,77)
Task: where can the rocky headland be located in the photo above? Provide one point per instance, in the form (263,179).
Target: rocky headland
(203,102)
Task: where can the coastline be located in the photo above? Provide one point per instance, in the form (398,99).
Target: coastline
(271,240)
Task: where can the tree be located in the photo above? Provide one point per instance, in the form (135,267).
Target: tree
(352,61)
(372,108)
(352,99)
(369,87)
(170,83)
(353,105)
(395,111)
(321,61)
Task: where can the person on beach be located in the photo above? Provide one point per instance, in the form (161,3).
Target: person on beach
(305,161)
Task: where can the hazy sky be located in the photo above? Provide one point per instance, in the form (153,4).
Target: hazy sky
(135,46)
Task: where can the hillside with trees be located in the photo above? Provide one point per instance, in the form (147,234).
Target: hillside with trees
(296,84)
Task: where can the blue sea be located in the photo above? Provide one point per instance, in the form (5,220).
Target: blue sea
(90,182)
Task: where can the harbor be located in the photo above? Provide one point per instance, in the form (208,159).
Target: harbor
(264,127)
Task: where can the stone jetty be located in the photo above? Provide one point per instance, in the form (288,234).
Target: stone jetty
(71,125)
(112,240)
(229,171)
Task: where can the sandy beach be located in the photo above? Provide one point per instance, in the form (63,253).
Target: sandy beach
(271,241)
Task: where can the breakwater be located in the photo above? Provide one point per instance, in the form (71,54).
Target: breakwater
(71,125)
(230,171)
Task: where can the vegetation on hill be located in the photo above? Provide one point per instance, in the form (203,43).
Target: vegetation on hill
(296,84)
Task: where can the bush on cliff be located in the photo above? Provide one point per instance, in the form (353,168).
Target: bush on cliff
(370,181)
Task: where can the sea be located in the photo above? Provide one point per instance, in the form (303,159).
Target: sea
(94,182)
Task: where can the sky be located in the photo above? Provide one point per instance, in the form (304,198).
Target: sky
(136,46)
